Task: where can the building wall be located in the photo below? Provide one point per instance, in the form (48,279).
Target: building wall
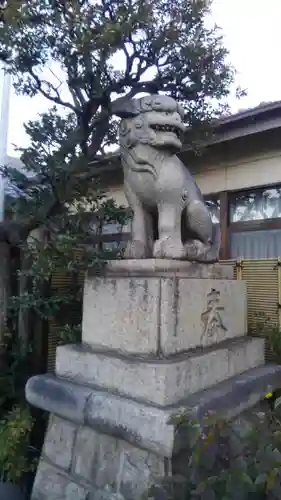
(254,171)
(117,193)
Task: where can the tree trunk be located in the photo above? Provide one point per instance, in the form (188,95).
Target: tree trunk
(23,316)
(4,289)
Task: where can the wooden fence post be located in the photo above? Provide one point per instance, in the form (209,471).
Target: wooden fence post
(239,269)
(279,290)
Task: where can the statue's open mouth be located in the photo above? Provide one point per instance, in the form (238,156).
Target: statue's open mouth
(167,128)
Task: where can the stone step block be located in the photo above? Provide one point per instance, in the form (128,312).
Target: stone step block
(164,315)
(159,381)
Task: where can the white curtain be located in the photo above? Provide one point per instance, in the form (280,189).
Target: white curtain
(256,244)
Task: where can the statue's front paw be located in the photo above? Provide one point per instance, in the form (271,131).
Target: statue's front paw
(136,250)
(168,248)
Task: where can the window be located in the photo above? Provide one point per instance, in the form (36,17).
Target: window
(255,223)
(114,246)
(115,228)
(111,228)
(256,205)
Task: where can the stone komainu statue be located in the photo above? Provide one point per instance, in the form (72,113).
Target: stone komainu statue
(170,218)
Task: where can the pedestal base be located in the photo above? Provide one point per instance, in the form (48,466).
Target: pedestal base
(101,446)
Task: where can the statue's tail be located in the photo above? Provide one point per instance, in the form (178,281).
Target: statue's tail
(206,253)
(199,221)
(214,250)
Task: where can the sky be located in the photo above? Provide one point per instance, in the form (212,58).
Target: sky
(252,34)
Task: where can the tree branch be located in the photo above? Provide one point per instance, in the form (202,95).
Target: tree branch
(56,99)
(129,62)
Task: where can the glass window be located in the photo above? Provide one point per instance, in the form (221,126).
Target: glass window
(214,209)
(256,205)
(111,228)
(110,245)
(116,228)
(114,246)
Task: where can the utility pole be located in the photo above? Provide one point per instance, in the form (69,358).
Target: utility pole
(5,90)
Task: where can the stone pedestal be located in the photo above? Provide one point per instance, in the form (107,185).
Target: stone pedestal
(158,336)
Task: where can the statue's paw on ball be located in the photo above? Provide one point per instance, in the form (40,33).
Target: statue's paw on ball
(169,248)
(194,249)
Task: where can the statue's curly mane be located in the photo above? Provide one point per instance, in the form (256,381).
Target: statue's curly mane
(136,163)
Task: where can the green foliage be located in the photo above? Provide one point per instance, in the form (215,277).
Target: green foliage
(226,460)
(81,36)
(14,373)
(15,431)
(277,403)
(64,252)
(262,326)
(16,422)
(274,340)
(66,249)
(70,334)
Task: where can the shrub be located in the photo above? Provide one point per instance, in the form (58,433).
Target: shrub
(16,422)
(15,431)
(226,460)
